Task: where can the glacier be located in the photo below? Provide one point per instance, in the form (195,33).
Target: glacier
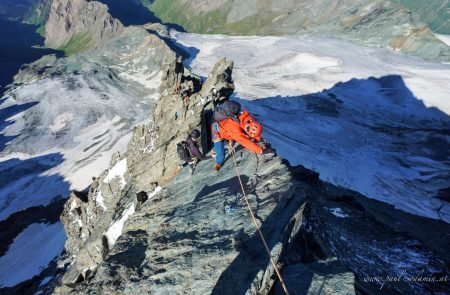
(368,119)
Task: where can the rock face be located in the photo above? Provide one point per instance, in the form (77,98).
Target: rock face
(344,232)
(39,14)
(154,145)
(79,23)
(89,220)
(434,13)
(147,226)
(184,240)
(82,107)
(377,23)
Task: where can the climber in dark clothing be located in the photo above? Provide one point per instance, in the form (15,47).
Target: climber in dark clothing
(192,141)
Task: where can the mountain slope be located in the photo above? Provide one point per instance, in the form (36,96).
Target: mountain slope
(130,234)
(435,13)
(377,125)
(376,23)
(61,121)
(366,119)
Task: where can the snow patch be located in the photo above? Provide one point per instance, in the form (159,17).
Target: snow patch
(444,38)
(73,205)
(117,170)
(98,199)
(304,63)
(115,230)
(338,213)
(45,281)
(60,121)
(143,78)
(157,190)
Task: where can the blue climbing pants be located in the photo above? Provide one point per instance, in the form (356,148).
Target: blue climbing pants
(219,148)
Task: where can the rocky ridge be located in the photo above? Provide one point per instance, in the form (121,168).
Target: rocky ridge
(152,145)
(91,220)
(147,226)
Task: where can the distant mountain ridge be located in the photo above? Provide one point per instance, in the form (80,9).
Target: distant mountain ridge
(401,25)
(377,23)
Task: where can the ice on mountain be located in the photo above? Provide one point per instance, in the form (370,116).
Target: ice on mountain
(115,230)
(367,119)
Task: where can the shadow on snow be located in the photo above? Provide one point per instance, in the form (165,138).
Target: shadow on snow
(363,115)
(5,114)
(24,185)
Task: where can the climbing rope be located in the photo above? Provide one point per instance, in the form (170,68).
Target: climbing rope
(258,229)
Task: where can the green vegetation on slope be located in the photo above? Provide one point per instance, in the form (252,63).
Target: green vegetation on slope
(77,43)
(38,15)
(436,13)
(172,11)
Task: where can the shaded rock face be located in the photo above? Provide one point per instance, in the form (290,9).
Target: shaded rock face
(347,237)
(79,21)
(377,23)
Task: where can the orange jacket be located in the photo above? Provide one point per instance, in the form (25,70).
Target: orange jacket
(230,129)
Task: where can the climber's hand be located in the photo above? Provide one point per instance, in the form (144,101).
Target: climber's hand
(231,147)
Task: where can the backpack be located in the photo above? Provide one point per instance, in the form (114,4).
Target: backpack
(183,151)
(226,110)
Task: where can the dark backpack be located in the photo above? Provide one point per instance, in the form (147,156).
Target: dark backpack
(183,151)
(227,110)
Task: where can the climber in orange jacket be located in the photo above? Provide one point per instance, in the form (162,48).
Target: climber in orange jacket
(242,128)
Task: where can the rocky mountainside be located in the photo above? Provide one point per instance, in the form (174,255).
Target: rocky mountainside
(435,13)
(61,119)
(378,23)
(152,145)
(147,226)
(77,24)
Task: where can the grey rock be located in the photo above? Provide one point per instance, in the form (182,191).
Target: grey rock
(150,159)
(154,144)
(368,238)
(318,278)
(182,240)
(84,23)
